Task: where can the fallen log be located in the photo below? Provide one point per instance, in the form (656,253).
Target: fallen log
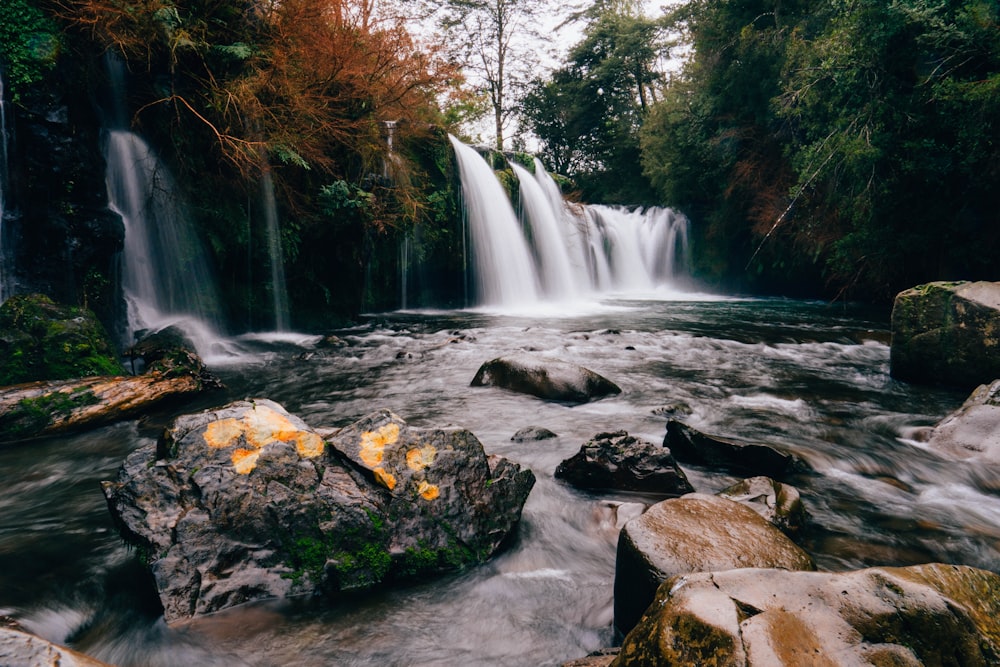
(37,409)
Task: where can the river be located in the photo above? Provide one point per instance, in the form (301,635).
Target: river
(807,376)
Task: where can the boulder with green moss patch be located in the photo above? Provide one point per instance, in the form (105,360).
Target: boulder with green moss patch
(43,340)
(947,333)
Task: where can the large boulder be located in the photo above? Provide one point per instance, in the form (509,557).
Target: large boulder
(693,533)
(920,615)
(620,461)
(692,446)
(545,378)
(947,333)
(248,502)
(43,340)
(779,503)
(973,430)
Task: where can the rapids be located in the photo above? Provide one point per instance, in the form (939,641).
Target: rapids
(808,376)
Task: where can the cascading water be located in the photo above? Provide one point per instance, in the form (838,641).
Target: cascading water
(575,252)
(165,274)
(504,271)
(559,280)
(279,290)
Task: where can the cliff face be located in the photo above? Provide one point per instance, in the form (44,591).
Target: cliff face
(62,239)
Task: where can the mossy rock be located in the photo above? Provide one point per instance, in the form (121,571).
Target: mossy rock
(43,340)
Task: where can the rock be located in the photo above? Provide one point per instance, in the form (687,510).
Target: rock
(532,433)
(693,533)
(545,378)
(947,333)
(44,408)
(599,658)
(691,446)
(779,503)
(920,615)
(247,502)
(18,647)
(42,340)
(169,350)
(620,461)
(973,430)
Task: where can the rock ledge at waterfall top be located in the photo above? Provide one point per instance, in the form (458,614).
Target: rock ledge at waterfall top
(247,502)
(947,333)
(545,378)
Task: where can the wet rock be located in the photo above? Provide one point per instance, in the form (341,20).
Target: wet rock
(545,378)
(920,615)
(43,340)
(533,433)
(599,658)
(692,446)
(620,461)
(673,409)
(779,503)
(247,502)
(947,333)
(22,648)
(693,533)
(973,430)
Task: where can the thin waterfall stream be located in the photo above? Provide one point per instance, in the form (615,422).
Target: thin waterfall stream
(6,259)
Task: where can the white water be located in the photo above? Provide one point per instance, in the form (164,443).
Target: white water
(573,253)
(505,274)
(279,290)
(165,276)
(559,280)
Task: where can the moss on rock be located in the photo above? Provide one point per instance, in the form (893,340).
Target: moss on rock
(42,340)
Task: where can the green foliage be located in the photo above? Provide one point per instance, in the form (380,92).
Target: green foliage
(40,340)
(588,114)
(852,143)
(29,43)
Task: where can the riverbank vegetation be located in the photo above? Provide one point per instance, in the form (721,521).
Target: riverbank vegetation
(835,149)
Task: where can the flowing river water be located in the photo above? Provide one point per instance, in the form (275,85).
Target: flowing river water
(807,376)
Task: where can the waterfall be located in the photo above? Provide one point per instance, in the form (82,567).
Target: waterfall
(165,277)
(6,259)
(279,291)
(504,271)
(571,252)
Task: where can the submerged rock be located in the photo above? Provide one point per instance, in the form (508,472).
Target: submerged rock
(779,503)
(533,433)
(947,333)
(693,533)
(920,615)
(620,461)
(545,378)
(692,446)
(247,502)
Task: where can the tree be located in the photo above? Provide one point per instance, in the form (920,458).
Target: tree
(483,35)
(588,113)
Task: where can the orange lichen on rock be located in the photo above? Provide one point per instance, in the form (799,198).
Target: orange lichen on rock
(386,479)
(418,459)
(224,433)
(427,490)
(308,445)
(258,428)
(245,460)
(373,442)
